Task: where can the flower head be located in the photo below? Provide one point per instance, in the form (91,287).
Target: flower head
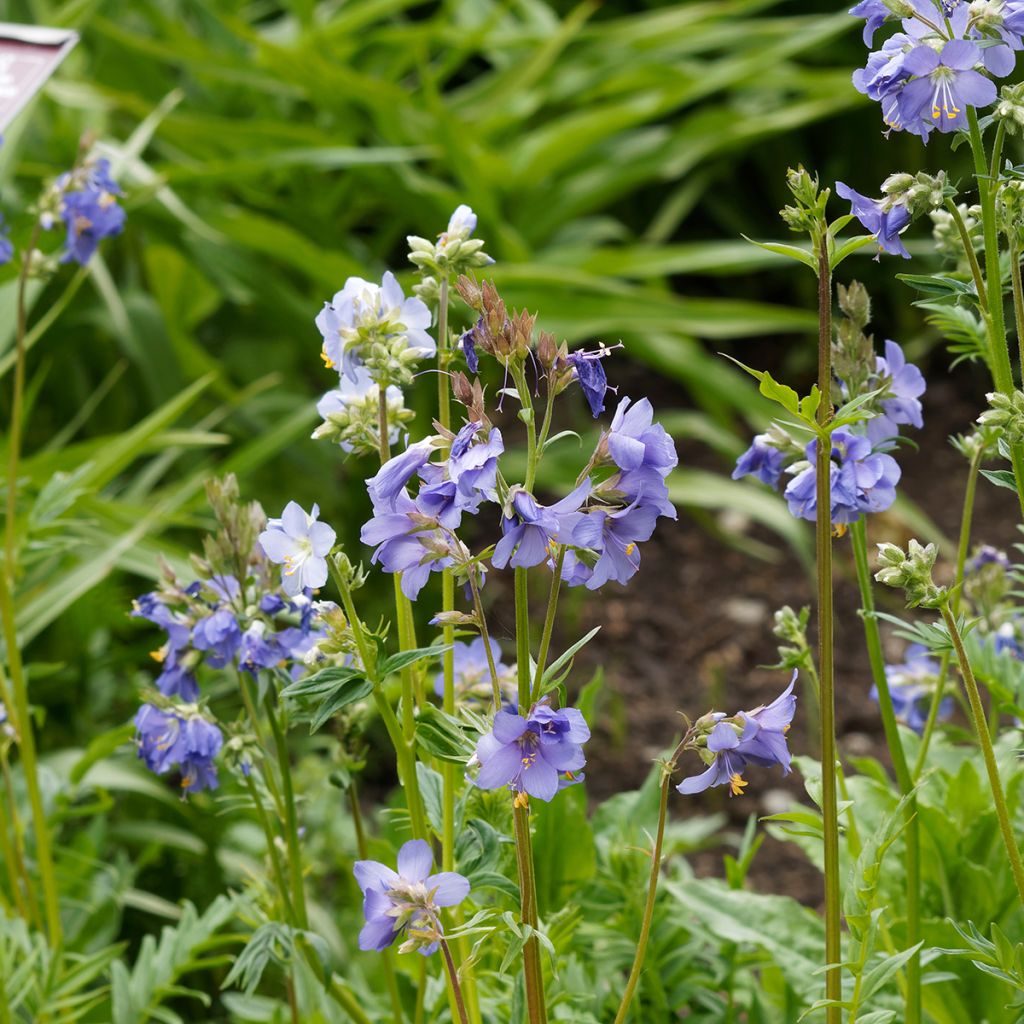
(751,737)
(301,544)
(181,739)
(377,326)
(881,218)
(529,528)
(351,413)
(406,902)
(761,460)
(536,755)
(944,85)
(86,200)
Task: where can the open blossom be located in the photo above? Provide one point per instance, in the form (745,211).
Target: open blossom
(902,402)
(530,527)
(300,544)
(533,756)
(862,480)
(755,737)
(614,536)
(636,442)
(881,218)
(945,85)
(761,460)
(363,313)
(407,540)
(462,223)
(219,634)
(911,686)
(181,739)
(89,210)
(406,902)
(351,412)
(472,672)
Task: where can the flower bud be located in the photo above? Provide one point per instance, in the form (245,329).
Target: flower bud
(911,571)
(1007,413)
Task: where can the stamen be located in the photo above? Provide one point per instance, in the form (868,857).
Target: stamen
(737,784)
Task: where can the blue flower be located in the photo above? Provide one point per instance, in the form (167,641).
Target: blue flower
(761,460)
(988,555)
(219,633)
(177,678)
(185,741)
(472,673)
(615,536)
(862,480)
(91,212)
(362,313)
(636,442)
(407,901)
(753,737)
(905,385)
(529,528)
(945,84)
(6,246)
(876,12)
(536,755)
(407,541)
(386,484)
(886,222)
(911,686)
(356,393)
(461,224)
(468,343)
(301,544)
(591,376)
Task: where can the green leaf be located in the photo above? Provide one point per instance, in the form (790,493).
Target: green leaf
(347,692)
(321,683)
(793,252)
(442,736)
(1001,478)
(551,672)
(403,659)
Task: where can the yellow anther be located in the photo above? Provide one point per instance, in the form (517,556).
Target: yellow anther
(839,529)
(737,784)
(159,654)
(327,359)
(521,799)
(630,548)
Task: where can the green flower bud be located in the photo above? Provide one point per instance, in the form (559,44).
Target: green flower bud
(911,571)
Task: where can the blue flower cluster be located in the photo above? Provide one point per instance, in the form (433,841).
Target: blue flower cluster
(912,685)
(89,209)
(941,62)
(863,474)
(729,745)
(536,755)
(217,622)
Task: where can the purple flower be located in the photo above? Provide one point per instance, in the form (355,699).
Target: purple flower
(879,219)
(260,649)
(362,313)
(301,544)
(392,477)
(636,442)
(177,678)
(752,737)
(988,555)
(946,83)
(911,686)
(536,755)
(90,213)
(188,742)
(591,376)
(882,78)
(220,634)
(615,535)
(6,246)
(406,901)
(762,460)
(468,343)
(906,384)
(407,541)
(532,527)
(876,12)
(862,480)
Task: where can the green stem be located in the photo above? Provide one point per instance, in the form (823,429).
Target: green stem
(522,588)
(1018,305)
(27,748)
(532,971)
(985,739)
(16,872)
(272,851)
(964,544)
(404,753)
(291,819)
(549,625)
(453,977)
(344,997)
(444,415)
(1002,372)
(972,257)
(652,890)
(823,546)
(492,668)
(859,539)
